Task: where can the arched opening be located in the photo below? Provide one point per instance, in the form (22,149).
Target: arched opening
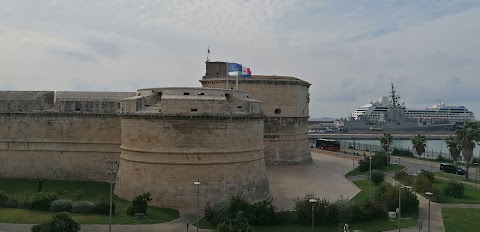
(278,111)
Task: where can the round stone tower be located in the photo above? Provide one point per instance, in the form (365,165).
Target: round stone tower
(286,107)
(171,137)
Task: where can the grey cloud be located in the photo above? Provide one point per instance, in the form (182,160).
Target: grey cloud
(108,49)
(72,55)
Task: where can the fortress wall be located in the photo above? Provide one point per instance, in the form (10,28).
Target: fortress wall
(58,146)
(291,97)
(286,141)
(165,155)
(286,130)
(26,101)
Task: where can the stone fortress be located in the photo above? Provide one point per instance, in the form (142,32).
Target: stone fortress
(165,138)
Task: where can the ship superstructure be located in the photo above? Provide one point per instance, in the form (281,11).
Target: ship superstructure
(390,113)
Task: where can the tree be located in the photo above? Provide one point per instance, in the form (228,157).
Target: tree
(453,147)
(386,141)
(419,144)
(468,135)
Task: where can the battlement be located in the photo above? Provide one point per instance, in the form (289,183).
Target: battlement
(191,102)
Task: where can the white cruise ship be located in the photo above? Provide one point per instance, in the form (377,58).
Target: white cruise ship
(390,114)
(440,113)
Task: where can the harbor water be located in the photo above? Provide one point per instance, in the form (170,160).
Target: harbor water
(436,147)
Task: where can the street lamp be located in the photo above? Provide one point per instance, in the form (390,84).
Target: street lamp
(429,194)
(313,201)
(395,177)
(112,174)
(197,183)
(399,202)
(353,155)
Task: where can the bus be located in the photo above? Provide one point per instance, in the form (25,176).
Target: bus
(328,144)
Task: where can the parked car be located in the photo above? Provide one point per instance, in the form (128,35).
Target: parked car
(451,169)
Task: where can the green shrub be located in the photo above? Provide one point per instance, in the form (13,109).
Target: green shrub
(389,198)
(428,174)
(364,165)
(263,213)
(42,200)
(369,210)
(345,211)
(61,205)
(239,224)
(23,201)
(409,201)
(59,191)
(3,199)
(237,203)
(104,208)
(377,177)
(400,152)
(379,160)
(139,204)
(84,207)
(12,202)
(61,222)
(454,189)
(422,184)
(441,158)
(303,208)
(218,213)
(78,194)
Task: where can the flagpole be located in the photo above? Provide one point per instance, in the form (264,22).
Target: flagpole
(236,82)
(226,77)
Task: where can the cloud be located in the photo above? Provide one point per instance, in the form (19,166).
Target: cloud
(348,50)
(108,49)
(71,54)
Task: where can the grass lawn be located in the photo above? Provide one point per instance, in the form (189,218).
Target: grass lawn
(391,168)
(91,191)
(364,186)
(472,195)
(455,177)
(460,220)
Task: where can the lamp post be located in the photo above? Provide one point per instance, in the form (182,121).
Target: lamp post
(353,155)
(476,174)
(313,201)
(112,175)
(395,177)
(429,194)
(197,183)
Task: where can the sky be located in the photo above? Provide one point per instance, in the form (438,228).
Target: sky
(350,51)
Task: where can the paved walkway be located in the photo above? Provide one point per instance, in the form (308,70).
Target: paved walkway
(324,177)
(178,225)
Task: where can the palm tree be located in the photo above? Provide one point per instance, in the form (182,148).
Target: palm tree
(419,143)
(453,147)
(468,135)
(386,141)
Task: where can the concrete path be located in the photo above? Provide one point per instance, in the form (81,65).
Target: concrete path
(324,177)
